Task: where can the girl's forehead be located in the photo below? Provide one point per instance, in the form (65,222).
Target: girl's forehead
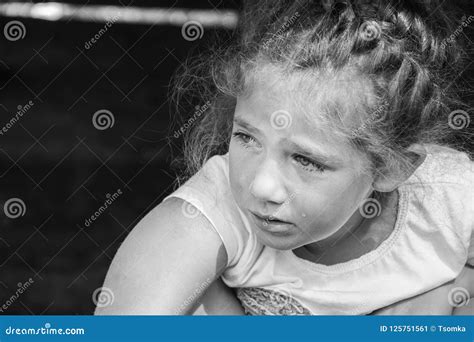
(324,99)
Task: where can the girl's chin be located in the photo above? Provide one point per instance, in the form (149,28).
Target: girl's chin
(282,243)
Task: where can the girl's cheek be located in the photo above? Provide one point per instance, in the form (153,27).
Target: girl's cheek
(304,211)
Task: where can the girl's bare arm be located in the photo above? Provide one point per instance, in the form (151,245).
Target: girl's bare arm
(165,265)
(219,299)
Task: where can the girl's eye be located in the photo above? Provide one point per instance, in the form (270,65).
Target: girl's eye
(245,139)
(309,164)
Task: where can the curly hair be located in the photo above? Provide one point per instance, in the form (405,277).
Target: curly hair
(403,48)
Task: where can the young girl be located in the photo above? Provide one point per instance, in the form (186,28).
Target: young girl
(331,173)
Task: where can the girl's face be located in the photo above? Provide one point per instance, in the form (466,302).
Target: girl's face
(308,183)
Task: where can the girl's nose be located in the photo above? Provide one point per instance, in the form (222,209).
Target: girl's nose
(267,185)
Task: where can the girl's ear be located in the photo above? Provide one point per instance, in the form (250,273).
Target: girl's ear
(388,181)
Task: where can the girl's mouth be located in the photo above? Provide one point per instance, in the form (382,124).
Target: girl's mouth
(270,224)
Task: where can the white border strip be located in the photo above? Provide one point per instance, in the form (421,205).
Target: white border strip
(54,11)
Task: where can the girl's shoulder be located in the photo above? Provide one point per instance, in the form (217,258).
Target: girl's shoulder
(440,198)
(208,193)
(443,165)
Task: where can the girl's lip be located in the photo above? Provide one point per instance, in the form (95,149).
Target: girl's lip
(270,225)
(270,219)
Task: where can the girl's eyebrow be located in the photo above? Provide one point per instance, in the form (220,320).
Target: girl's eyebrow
(302,148)
(311,152)
(241,122)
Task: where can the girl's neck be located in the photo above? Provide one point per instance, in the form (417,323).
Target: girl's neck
(359,236)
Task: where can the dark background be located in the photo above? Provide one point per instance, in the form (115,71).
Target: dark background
(62,167)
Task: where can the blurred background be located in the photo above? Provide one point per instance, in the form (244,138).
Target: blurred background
(84,124)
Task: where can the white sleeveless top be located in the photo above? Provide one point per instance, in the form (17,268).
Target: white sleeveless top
(431,242)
